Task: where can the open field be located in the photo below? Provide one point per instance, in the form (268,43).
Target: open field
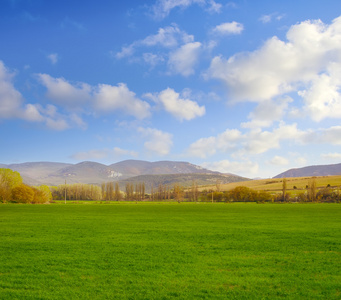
(275,184)
(170,251)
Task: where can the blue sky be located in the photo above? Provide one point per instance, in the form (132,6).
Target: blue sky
(244,87)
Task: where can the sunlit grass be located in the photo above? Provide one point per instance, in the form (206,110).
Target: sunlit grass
(167,251)
(275,184)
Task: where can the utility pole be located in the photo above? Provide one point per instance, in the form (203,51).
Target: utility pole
(65,191)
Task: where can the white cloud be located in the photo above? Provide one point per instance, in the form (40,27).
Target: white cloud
(62,92)
(330,135)
(32,113)
(279,161)
(268,18)
(229,28)
(12,105)
(53,57)
(162,8)
(182,109)
(157,141)
(302,64)
(126,51)
(331,156)
(10,99)
(152,59)
(257,141)
(323,98)
(267,112)
(252,142)
(183,60)
(108,98)
(102,98)
(214,7)
(166,37)
(246,168)
(57,124)
(224,142)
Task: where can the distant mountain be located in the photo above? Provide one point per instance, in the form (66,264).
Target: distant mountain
(320,170)
(138,167)
(186,180)
(51,173)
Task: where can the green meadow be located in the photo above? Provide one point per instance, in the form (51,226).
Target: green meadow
(170,251)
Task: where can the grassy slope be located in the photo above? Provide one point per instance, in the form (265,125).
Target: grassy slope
(275,184)
(167,251)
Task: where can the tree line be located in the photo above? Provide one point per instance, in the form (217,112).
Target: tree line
(12,189)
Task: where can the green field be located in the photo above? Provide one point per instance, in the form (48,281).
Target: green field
(170,251)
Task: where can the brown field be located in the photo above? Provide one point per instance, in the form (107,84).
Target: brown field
(274,185)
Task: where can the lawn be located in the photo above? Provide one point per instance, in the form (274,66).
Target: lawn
(170,251)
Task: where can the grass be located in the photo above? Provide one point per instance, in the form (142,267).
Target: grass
(170,251)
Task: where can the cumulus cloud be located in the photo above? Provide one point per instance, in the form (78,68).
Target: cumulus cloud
(214,7)
(233,141)
(182,109)
(308,63)
(10,99)
(162,8)
(267,112)
(229,28)
(246,168)
(153,59)
(268,18)
(53,57)
(103,98)
(62,92)
(279,161)
(166,37)
(157,141)
(108,98)
(224,142)
(12,105)
(322,98)
(183,60)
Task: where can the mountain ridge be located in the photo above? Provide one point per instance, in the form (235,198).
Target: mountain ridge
(314,170)
(54,173)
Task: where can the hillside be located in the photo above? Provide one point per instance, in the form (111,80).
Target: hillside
(186,180)
(319,170)
(51,173)
(294,184)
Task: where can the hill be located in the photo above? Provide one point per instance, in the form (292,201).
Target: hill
(319,170)
(294,184)
(51,173)
(186,180)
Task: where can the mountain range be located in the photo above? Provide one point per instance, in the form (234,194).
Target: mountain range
(52,173)
(152,173)
(319,170)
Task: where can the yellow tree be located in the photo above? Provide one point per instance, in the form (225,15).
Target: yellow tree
(312,189)
(8,180)
(178,192)
(23,194)
(284,189)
